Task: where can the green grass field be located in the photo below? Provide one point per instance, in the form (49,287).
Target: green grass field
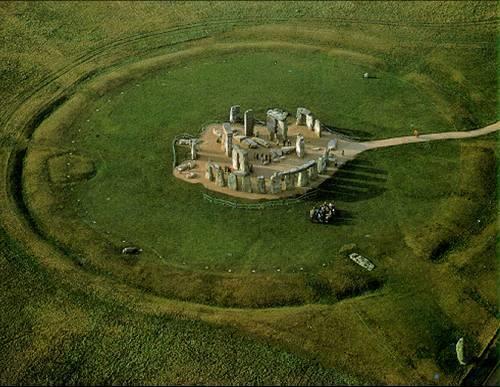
(85,146)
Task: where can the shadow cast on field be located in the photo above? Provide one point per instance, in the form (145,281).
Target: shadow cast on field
(353,134)
(355,181)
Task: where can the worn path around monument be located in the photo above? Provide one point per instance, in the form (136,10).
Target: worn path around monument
(351,149)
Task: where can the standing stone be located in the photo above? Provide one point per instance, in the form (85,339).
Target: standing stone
(271,127)
(301,115)
(310,121)
(313,172)
(244,162)
(275,186)
(303,179)
(283,130)
(289,181)
(235,158)
(194,153)
(234,114)
(300,146)
(246,183)
(232,182)
(219,177)
(261,184)
(317,128)
(249,123)
(209,174)
(227,137)
(321,164)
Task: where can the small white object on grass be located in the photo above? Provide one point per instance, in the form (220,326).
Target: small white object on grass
(253,271)
(365,75)
(229,270)
(278,269)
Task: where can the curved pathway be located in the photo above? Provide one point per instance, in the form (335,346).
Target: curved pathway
(352,149)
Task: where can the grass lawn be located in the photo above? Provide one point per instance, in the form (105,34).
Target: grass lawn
(75,310)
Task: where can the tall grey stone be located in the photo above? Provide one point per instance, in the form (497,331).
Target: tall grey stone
(300,146)
(249,123)
(310,121)
(209,174)
(289,181)
(219,177)
(194,153)
(303,178)
(246,183)
(283,129)
(261,184)
(275,183)
(227,139)
(234,114)
(317,128)
(232,182)
(271,124)
(321,164)
(301,115)
(313,172)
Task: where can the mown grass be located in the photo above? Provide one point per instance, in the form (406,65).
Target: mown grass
(53,335)
(401,334)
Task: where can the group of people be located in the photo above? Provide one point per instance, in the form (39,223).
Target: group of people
(325,213)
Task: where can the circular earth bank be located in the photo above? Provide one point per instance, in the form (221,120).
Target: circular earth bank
(195,250)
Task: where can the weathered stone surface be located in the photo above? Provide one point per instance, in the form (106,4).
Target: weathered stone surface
(283,130)
(287,150)
(219,177)
(234,114)
(310,121)
(227,139)
(277,114)
(300,146)
(289,181)
(271,124)
(194,153)
(302,179)
(261,184)
(246,183)
(301,115)
(313,172)
(249,122)
(249,142)
(262,142)
(232,182)
(275,183)
(235,158)
(332,144)
(317,128)
(321,164)
(209,174)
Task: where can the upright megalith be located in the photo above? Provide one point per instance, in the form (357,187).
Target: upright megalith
(227,139)
(249,122)
(301,115)
(289,181)
(246,183)
(276,124)
(234,114)
(220,179)
(283,130)
(261,184)
(317,128)
(310,121)
(209,174)
(232,182)
(275,183)
(240,159)
(303,178)
(194,153)
(313,171)
(321,164)
(300,145)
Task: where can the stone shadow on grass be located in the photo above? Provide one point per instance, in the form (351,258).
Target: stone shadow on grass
(355,181)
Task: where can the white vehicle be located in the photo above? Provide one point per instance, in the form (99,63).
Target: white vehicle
(362,261)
